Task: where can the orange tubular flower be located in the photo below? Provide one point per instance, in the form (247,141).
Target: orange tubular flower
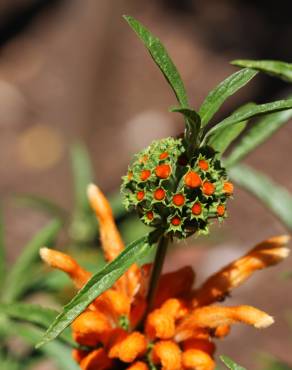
(179,332)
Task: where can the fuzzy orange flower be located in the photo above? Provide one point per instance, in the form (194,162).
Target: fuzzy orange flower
(179,332)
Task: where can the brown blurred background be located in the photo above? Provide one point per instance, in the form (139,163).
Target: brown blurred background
(73,70)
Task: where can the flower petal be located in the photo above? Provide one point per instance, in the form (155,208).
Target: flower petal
(197,359)
(111,240)
(67,264)
(175,284)
(96,359)
(168,354)
(127,347)
(91,328)
(265,254)
(138,366)
(214,316)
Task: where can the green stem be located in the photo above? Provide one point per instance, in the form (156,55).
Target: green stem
(156,271)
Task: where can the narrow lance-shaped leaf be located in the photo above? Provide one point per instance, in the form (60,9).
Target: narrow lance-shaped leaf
(82,175)
(30,252)
(254,111)
(275,197)
(99,283)
(84,226)
(2,250)
(272,67)
(34,314)
(161,58)
(221,140)
(224,90)
(260,131)
(230,363)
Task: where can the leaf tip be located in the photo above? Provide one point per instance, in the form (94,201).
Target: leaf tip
(39,345)
(128,18)
(239,63)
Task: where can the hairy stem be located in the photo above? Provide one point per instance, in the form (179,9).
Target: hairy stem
(156,271)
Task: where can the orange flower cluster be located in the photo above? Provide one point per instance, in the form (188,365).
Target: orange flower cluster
(179,332)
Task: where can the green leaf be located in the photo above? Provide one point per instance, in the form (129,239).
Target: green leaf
(254,111)
(2,250)
(84,226)
(57,351)
(99,283)
(221,140)
(30,252)
(230,363)
(82,175)
(258,133)
(193,126)
(34,314)
(41,203)
(275,197)
(224,90)
(272,67)
(161,58)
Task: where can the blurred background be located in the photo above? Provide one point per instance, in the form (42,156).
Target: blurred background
(74,71)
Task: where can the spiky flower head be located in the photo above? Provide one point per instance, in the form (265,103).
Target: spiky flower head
(175,193)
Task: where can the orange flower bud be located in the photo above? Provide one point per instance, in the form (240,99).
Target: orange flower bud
(138,366)
(208,188)
(159,194)
(228,188)
(221,210)
(163,171)
(130,175)
(197,359)
(145,174)
(96,359)
(150,215)
(140,195)
(174,307)
(90,328)
(178,200)
(163,155)
(192,179)
(204,165)
(176,221)
(160,325)
(197,209)
(128,347)
(168,354)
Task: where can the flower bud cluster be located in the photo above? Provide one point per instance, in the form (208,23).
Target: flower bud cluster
(174,193)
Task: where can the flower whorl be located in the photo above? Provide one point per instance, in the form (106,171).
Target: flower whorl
(174,193)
